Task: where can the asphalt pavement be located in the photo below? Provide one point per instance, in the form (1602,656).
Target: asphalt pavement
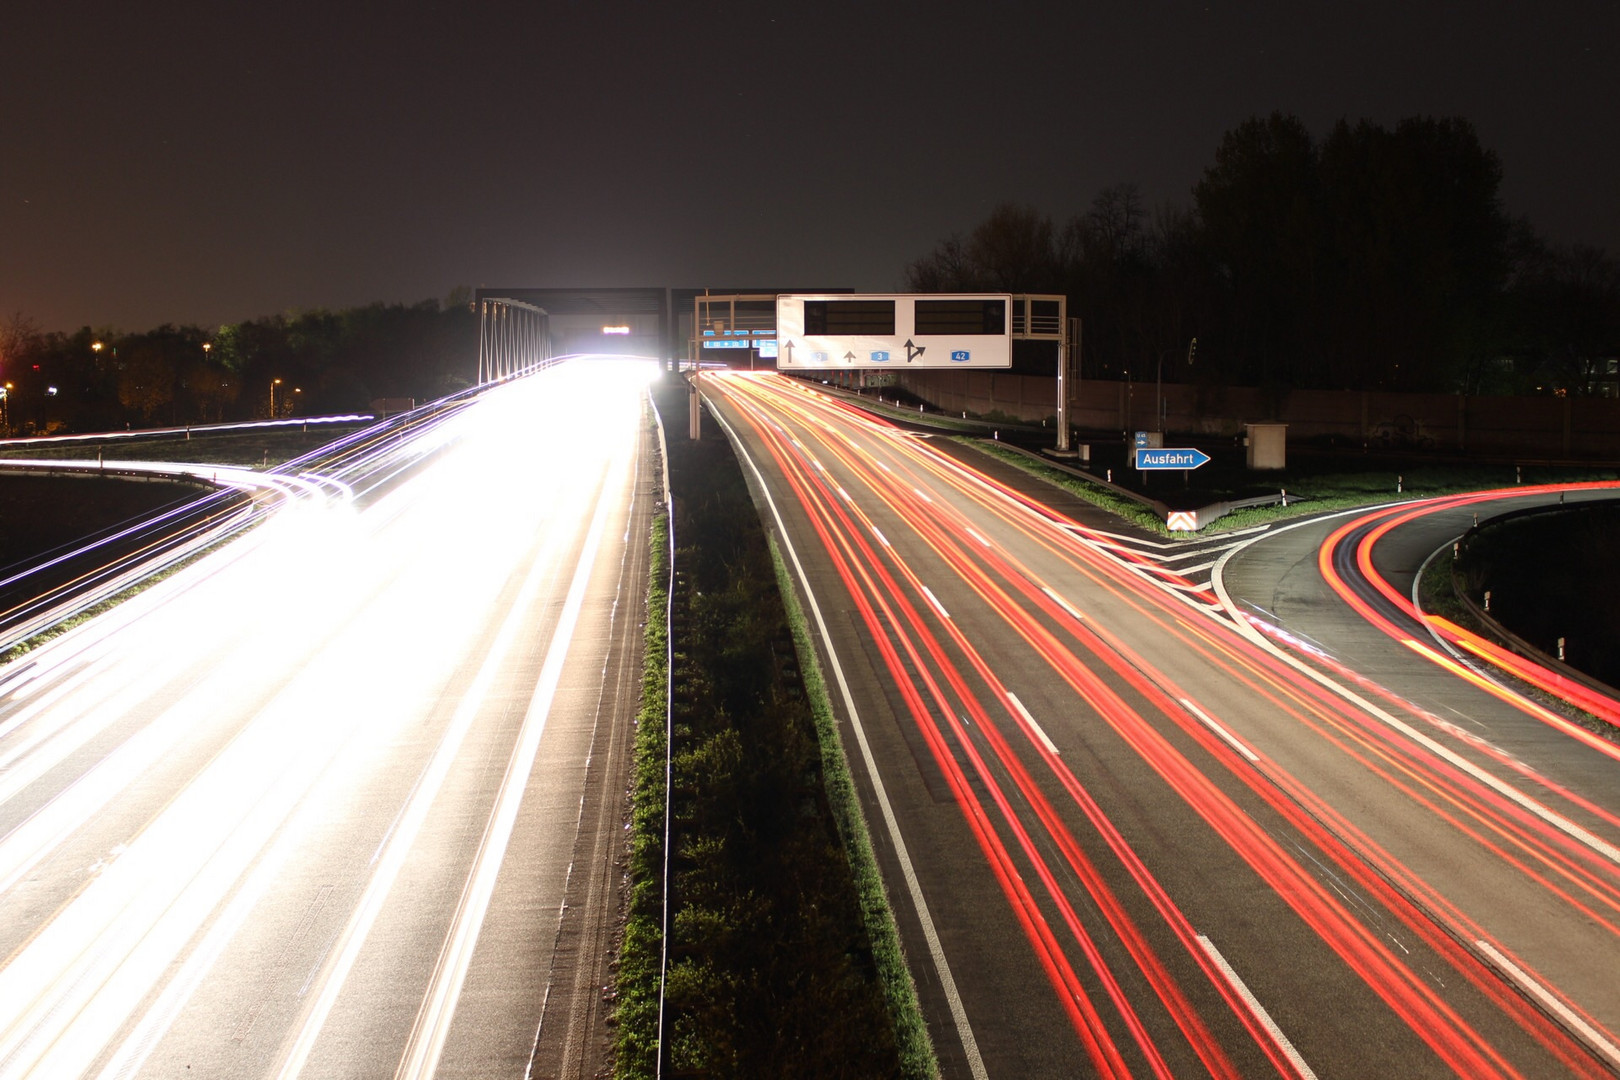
(346,798)
(1124,836)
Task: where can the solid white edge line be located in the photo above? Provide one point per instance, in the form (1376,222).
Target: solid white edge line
(1210,722)
(932,599)
(1445,753)
(432,1028)
(936,952)
(1040,732)
(1258,1009)
(1593,1037)
(299,1044)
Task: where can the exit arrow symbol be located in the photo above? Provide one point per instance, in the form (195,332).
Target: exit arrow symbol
(849,357)
(914,351)
(788,348)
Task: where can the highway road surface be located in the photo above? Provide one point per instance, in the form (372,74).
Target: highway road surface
(1127,833)
(346,797)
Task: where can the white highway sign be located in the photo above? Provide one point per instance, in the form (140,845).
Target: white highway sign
(890,330)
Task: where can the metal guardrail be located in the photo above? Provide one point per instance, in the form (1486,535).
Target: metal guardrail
(1507,638)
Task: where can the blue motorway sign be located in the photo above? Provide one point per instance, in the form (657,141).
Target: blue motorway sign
(961,356)
(879,356)
(1183,457)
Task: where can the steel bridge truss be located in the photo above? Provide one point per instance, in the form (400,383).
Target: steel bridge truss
(514,338)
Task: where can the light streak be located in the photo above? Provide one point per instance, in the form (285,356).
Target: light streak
(348,625)
(1160,596)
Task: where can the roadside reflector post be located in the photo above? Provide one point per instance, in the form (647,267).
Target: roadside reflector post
(694,413)
(1487,600)
(1560,650)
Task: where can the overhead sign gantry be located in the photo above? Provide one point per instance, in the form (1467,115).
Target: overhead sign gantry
(878,330)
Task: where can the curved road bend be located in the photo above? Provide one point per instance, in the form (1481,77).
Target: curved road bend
(1529,754)
(346,798)
(1123,839)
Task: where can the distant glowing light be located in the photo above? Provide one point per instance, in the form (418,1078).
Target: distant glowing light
(615,329)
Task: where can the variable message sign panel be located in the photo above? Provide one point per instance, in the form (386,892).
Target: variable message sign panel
(890,330)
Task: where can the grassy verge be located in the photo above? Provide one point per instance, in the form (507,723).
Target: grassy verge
(636,976)
(917,1060)
(1439,592)
(772,971)
(1308,493)
(1126,509)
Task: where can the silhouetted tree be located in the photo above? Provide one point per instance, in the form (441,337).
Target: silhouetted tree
(1012,250)
(1415,252)
(1259,206)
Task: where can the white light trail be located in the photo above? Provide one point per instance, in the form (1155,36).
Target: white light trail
(320,638)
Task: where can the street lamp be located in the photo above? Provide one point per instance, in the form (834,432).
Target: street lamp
(1158,382)
(273,384)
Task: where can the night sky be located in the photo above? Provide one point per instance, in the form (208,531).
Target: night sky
(210,162)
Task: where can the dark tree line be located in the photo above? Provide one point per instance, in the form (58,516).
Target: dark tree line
(1373,258)
(325,361)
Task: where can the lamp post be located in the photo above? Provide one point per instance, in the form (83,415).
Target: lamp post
(273,384)
(1158,382)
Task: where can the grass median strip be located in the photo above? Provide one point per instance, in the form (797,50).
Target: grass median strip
(917,1060)
(778,962)
(636,979)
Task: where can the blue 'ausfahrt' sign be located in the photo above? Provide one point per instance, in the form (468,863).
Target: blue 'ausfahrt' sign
(1183,457)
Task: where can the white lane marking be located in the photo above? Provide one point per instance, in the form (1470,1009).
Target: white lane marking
(1194,553)
(1030,720)
(1542,994)
(1258,1009)
(1445,753)
(1135,542)
(983,542)
(432,1028)
(884,540)
(354,934)
(932,599)
(842,494)
(921,495)
(936,951)
(1064,604)
(1185,570)
(1210,722)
